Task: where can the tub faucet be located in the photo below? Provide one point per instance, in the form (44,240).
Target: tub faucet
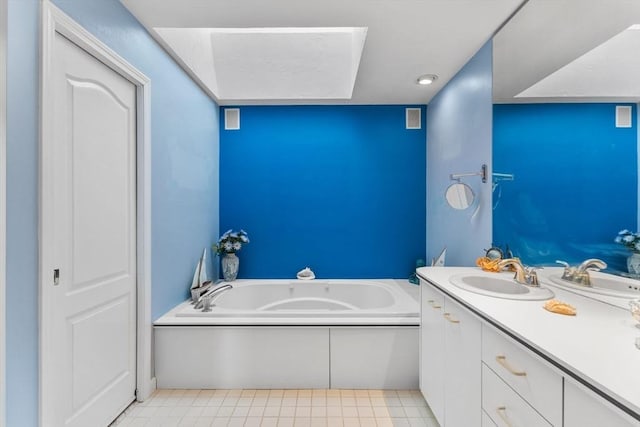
(206,300)
(525,276)
(580,274)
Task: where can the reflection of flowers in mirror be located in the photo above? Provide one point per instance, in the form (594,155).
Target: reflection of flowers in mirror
(629,239)
(231,242)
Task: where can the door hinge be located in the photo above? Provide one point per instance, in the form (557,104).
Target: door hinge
(56,277)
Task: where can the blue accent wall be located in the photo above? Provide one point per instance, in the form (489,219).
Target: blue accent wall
(459,141)
(575,186)
(185,135)
(337,188)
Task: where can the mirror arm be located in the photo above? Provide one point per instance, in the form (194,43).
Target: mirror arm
(482,174)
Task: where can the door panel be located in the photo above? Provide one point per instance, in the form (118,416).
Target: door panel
(93,245)
(95,333)
(101,183)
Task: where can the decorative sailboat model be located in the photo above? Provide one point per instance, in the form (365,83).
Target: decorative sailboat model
(201,281)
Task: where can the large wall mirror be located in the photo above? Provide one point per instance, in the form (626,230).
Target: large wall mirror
(565,136)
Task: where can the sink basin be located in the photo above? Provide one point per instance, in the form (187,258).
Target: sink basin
(603,284)
(499,286)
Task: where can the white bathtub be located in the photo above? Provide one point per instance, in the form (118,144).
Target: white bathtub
(294,334)
(300,302)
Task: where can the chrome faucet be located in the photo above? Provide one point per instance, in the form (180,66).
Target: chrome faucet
(580,274)
(206,300)
(525,276)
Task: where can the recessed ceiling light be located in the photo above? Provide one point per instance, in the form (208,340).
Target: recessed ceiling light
(426,79)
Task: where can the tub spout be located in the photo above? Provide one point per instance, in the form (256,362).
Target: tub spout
(205,301)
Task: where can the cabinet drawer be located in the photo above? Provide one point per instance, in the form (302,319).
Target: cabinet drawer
(532,378)
(504,406)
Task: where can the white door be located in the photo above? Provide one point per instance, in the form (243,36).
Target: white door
(93,244)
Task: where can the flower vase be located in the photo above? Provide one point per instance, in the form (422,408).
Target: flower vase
(230,264)
(633,263)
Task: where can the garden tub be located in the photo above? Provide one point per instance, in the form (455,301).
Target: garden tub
(334,333)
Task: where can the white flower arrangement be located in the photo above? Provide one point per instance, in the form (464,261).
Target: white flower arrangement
(629,239)
(231,242)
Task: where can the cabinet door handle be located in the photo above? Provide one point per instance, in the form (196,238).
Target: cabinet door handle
(433,304)
(448,317)
(502,413)
(503,361)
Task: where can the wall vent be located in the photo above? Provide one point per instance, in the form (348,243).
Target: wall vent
(231,119)
(623,116)
(414,118)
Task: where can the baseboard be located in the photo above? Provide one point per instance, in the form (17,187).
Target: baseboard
(146,390)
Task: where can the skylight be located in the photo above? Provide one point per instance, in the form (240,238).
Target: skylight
(271,63)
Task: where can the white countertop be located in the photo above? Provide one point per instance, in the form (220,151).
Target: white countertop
(597,345)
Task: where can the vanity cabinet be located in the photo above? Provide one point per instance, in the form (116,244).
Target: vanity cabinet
(583,408)
(473,374)
(450,360)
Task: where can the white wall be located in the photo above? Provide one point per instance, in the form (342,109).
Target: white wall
(459,138)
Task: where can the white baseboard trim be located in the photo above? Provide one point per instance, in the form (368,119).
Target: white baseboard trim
(147,390)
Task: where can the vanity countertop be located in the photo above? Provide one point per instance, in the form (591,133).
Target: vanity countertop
(597,345)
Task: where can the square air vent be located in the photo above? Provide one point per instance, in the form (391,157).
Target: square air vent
(414,118)
(231,119)
(623,116)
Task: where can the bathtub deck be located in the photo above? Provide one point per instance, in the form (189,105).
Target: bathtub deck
(281,408)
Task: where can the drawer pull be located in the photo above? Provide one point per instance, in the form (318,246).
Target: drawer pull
(503,361)
(448,317)
(501,411)
(433,304)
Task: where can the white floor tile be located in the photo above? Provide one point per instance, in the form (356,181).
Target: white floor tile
(240,411)
(280,408)
(220,422)
(204,422)
(253,422)
(269,422)
(275,411)
(285,421)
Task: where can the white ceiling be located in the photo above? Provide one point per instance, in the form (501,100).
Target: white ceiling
(230,48)
(569,51)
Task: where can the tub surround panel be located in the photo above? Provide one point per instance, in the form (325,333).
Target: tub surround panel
(285,357)
(459,141)
(575,186)
(237,357)
(374,358)
(337,188)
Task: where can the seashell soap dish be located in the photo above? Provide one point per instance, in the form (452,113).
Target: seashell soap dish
(305,274)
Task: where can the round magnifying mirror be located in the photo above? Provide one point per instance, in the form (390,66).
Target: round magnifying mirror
(459,196)
(494,253)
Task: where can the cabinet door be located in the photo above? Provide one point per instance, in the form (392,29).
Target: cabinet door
(432,349)
(462,366)
(583,408)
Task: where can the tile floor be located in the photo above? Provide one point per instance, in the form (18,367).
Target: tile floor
(280,408)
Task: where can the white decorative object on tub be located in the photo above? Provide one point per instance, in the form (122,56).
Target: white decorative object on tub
(306,274)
